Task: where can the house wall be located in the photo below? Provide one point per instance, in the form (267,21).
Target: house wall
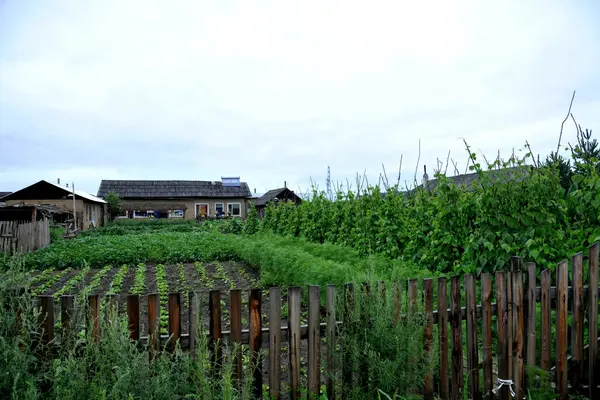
(85,215)
(190,204)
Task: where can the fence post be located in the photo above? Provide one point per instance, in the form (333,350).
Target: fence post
(531,313)
(442,305)
(577,322)
(193,322)
(486,331)
(294,340)
(133,316)
(153,324)
(174,320)
(331,341)
(47,319)
(518,369)
(562,302)
(428,333)
(274,342)
(255,339)
(546,320)
(314,340)
(235,303)
(348,326)
(594,376)
(457,347)
(472,353)
(502,328)
(215,345)
(94,304)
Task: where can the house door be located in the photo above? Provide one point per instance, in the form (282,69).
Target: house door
(202,210)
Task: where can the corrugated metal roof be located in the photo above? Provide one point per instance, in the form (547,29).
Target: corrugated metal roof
(79,193)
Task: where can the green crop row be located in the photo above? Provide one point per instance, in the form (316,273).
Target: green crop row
(163,291)
(115,285)
(71,283)
(139,282)
(51,281)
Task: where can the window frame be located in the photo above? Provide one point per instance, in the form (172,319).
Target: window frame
(231,212)
(201,204)
(176,216)
(222,208)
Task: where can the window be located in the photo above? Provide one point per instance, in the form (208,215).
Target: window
(219,210)
(143,214)
(123,214)
(201,209)
(234,209)
(176,214)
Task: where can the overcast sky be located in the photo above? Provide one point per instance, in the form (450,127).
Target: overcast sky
(276,91)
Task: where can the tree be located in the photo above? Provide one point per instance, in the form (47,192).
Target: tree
(113,204)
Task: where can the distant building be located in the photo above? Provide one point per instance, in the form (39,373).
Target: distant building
(179,199)
(50,199)
(275,196)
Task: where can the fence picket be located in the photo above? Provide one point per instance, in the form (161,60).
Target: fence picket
(193,322)
(546,320)
(294,340)
(314,339)
(502,330)
(47,319)
(518,368)
(530,337)
(235,305)
(133,316)
(348,321)
(594,371)
(214,329)
(561,329)
(67,311)
(174,320)
(428,332)
(154,324)
(457,349)
(412,295)
(472,353)
(442,304)
(577,322)
(255,327)
(274,342)
(94,304)
(486,331)
(331,341)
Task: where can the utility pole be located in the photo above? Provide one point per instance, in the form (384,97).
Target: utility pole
(329,193)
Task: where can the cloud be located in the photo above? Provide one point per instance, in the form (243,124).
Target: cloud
(277,91)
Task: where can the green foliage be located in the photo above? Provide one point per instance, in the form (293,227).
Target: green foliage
(512,209)
(252,222)
(113,204)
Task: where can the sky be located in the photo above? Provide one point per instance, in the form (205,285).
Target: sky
(277,91)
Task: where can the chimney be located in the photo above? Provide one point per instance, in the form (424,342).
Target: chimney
(58,181)
(254,190)
(425,177)
(285,184)
(67,185)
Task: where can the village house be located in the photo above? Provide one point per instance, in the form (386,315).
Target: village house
(179,199)
(53,200)
(275,196)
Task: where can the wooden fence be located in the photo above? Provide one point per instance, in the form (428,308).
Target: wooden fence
(24,237)
(519,309)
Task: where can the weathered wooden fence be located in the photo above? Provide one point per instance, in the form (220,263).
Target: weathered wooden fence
(509,340)
(23,236)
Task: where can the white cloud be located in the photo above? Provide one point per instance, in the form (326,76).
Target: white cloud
(277,90)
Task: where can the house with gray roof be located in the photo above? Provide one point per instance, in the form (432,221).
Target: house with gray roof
(179,199)
(275,196)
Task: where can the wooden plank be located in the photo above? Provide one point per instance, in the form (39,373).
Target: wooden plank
(331,341)
(294,340)
(472,352)
(133,316)
(519,365)
(154,323)
(214,329)
(577,323)
(235,299)
(561,330)
(47,319)
(412,295)
(348,326)
(397,288)
(274,343)
(546,324)
(502,331)
(67,311)
(428,333)
(255,340)
(193,322)
(314,340)
(94,304)
(174,320)
(363,367)
(592,308)
(457,349)
(442,305)
(531,338)
(486,331)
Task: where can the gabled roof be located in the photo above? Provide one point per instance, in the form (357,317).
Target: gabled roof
(274,194)
(143,189)
(467,180)
(4,194)
(44,190)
